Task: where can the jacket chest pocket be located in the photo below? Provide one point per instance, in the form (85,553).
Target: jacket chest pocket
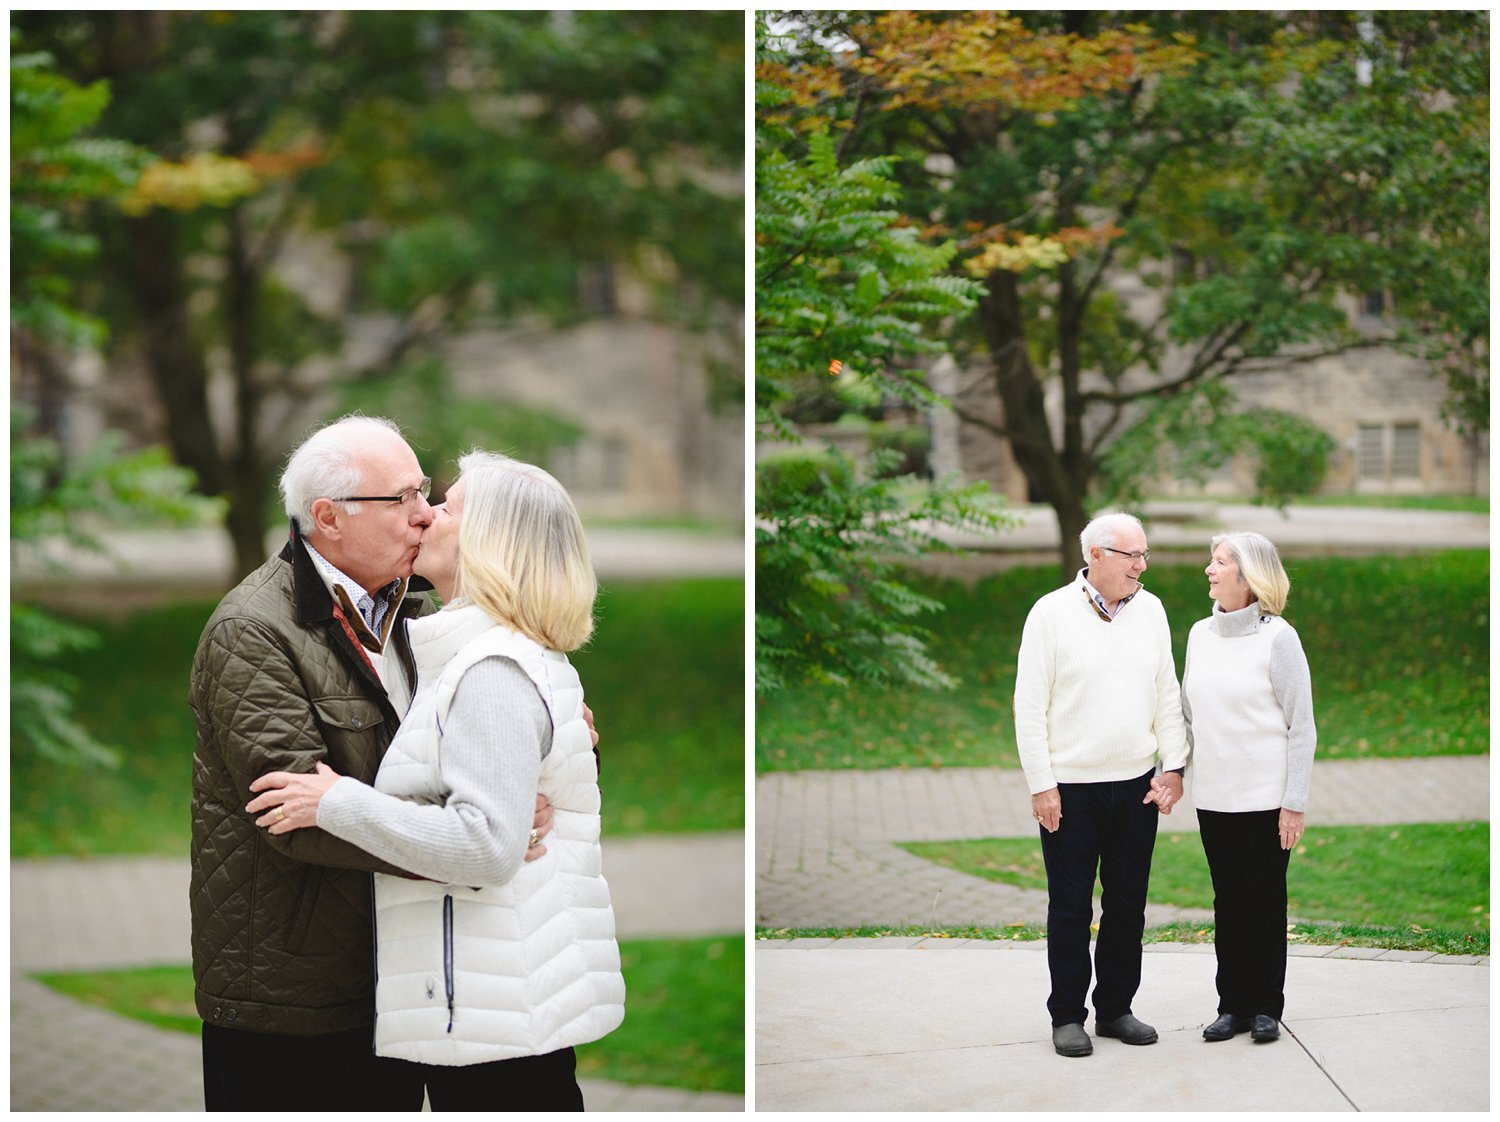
(353,730)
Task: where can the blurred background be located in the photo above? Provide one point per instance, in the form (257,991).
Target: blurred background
(512,230)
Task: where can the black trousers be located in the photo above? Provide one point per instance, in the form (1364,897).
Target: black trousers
(1248,867)
(274,1071)
(1106,831)
(538,1083)
(340,1071)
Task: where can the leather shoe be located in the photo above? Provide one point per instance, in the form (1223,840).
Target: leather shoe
(1128,1029)
(1265,1029)
(1071,1040)
(1227,1026)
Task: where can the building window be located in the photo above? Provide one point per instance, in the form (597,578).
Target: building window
(1389,453)
(1370,452)
(1406,452)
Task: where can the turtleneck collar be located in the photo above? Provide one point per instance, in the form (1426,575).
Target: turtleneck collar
(1233,625)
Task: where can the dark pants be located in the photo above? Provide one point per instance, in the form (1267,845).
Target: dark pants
(1105,829)
(340,1071)
(538,1083)
(280,1072)
(1248,867)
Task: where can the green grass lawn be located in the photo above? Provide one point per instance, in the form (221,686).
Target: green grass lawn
(684,1012)
(664,675)
(1435,940)
(1399,650)
(1428,875)
(1467,504)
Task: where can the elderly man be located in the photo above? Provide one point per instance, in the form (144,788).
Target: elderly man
(1096,707)
(304,661)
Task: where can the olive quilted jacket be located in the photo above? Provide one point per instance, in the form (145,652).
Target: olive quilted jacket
(282,925)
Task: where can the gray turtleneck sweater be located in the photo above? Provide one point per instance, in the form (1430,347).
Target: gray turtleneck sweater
(1247,704)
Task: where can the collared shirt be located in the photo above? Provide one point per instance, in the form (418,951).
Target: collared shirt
(370,616)
(1097,598)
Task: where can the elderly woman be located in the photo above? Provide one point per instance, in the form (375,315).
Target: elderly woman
(492,968)
(1247,701)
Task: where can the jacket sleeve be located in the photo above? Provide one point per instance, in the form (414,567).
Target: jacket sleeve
(494,737)
(260,718)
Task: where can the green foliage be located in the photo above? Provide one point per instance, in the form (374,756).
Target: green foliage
(840,277)
(1260,183)
(1191,434)
(466,166)
(1399,650)
(54,175)
(42,696)
(103,486)
(830,606)
(53,171)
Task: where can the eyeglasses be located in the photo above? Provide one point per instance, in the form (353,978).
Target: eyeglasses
(1142,555)
(405,498)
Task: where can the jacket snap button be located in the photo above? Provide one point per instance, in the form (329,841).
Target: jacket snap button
(217,1012)
(358,722)
(233,1013)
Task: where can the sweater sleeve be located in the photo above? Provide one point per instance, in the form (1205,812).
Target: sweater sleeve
(1035,671)
(494,739)
(1171,740)
(1291,682)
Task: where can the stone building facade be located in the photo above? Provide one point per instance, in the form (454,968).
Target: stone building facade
(1383,410)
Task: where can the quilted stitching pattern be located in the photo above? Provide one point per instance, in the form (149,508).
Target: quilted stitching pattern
(282,938)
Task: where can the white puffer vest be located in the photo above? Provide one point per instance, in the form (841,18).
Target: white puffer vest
(468,975)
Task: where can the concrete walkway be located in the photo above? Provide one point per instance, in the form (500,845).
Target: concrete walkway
(101,913)
(941,1024)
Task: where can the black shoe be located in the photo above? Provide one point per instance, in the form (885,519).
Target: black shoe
(1265,1029)
(1128,1029)
(1072,1040)
(1227,1026)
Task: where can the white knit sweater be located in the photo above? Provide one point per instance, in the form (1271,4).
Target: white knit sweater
(1247,698)
(1096,700)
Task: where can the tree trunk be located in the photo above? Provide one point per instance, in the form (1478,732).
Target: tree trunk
(250,483)
(152,270)
(246,523)
(1060,483)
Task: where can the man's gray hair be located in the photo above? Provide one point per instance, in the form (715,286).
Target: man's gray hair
(325,466)
(1104,531)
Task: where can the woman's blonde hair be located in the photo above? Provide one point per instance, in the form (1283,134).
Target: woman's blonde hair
(1260,566)
(522,556)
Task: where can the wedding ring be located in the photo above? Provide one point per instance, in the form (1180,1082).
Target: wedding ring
(535,837)
(280,814)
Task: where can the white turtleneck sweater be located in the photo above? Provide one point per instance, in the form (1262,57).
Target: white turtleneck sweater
(1247,699)
(1096,700)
